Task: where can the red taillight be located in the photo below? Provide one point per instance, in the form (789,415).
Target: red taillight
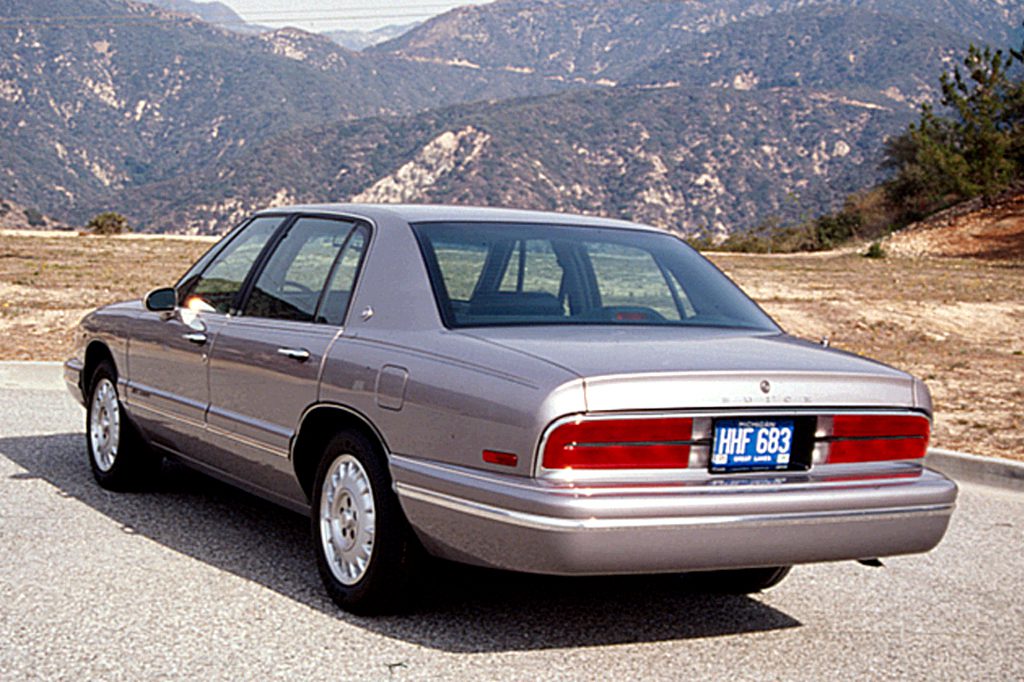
(620,444)
(876,438)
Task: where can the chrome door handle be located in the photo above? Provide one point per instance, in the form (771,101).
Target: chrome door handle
(300,354)
(197,338)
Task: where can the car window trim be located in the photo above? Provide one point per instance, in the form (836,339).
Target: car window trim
(442,300)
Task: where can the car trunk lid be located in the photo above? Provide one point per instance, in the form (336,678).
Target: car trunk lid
(660,368)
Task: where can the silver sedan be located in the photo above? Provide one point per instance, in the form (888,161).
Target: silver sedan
(529,391)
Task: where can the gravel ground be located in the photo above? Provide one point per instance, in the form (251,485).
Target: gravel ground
(194,579)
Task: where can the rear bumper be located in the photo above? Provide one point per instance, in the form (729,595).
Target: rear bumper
(73,379)
(524,525)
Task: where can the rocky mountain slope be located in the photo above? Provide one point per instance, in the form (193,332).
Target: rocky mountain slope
(850,50)
(137,94)
(697,114)
(14,216)
(674,157)
(608,39)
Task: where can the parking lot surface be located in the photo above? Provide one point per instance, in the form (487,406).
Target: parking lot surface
(195,579)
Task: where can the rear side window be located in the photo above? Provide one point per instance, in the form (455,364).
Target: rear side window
(291,283)
(533,266)
(339,292)
(486,274)
(650,285)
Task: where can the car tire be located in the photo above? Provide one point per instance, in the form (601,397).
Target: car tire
(366,552)
(739,581)
(118,456)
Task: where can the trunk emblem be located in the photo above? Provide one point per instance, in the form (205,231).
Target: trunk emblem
(765,386)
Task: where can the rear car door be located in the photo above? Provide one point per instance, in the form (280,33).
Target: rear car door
(265,366)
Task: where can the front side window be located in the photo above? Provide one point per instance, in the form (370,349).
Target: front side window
(290,285)
(215,289)
(486,274)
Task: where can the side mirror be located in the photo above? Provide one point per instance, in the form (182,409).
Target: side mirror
(162,300)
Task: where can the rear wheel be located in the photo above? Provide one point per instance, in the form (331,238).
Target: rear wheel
(118,456)
(739,581)
(366,552)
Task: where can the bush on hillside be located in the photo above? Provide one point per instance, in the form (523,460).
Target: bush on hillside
(108,223)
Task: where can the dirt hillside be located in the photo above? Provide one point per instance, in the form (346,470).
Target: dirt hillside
(969,230)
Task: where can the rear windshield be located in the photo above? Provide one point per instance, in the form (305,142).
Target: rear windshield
(490,274)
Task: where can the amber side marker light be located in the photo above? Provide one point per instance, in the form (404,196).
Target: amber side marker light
(620,444)
(878,438)
(503,458)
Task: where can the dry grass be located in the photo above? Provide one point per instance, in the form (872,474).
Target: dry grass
(959,324)
(47,283)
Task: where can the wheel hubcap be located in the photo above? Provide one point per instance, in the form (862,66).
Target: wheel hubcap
(347,519)
(104,425)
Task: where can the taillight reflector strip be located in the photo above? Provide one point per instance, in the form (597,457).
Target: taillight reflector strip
(661,443)
(878,438)
(507,459)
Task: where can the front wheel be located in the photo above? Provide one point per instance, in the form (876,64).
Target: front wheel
(365,550)
(118,457)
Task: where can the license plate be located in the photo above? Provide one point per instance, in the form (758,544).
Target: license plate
(752,445)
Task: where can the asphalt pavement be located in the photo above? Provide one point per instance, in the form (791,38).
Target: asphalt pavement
(196,580)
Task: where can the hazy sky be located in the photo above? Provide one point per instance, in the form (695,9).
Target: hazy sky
(321,15)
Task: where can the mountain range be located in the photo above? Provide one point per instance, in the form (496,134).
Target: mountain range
(691,115)
(223,16)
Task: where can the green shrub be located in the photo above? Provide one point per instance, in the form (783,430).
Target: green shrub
(875,251)
(108,223)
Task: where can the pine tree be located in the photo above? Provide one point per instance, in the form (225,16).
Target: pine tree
(978,151)
(981,130)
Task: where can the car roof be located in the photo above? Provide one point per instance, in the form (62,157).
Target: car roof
(425,213)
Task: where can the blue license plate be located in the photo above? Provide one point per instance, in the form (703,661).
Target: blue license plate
(752,445)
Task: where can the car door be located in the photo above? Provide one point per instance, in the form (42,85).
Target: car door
(167,359)
(265,365)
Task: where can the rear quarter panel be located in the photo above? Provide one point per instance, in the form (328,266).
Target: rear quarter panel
(460,396)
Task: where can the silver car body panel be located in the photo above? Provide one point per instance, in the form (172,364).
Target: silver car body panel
(438,398)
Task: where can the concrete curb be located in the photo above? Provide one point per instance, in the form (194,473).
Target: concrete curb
(963,466)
